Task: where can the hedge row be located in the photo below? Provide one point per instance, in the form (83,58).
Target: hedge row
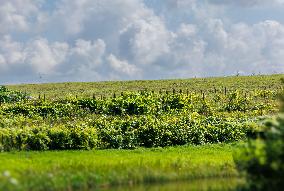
(125,133)
(136,104)
(46,138)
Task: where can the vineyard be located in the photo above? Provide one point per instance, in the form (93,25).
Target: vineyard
(131,119)
(108,134)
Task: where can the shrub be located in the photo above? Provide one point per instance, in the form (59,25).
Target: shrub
(48,138)
(262,160)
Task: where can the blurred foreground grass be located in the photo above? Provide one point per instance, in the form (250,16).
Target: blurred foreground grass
(97,169)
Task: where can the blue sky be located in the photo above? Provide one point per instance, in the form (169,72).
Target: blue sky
(95,40)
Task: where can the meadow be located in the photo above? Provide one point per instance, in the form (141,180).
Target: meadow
(107,89)
(106,169)
(101,134)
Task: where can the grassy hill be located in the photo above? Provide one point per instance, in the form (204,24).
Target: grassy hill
(88,89)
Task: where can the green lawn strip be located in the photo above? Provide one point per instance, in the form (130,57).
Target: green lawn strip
(100,168)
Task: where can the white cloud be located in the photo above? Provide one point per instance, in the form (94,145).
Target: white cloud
(56,58)
(90,52)
(89,17)
(249,48)
(44,57)
(16,15)
(247,3)
(146,40)
(225,51)
(2,62)
(187,30)
(122,66)
(86,40)
(11,51)
(85,60)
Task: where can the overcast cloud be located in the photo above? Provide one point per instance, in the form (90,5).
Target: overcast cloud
(91,40)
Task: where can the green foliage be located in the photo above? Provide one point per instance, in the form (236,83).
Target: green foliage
(133,119)
(126,132)
(46,138)
(144,103)
(263,159)
(9,96)
(237,102)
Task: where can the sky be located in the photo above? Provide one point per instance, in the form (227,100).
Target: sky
(99,40)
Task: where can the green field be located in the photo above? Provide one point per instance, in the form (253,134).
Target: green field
(88,89)
(70,136)
(83,170)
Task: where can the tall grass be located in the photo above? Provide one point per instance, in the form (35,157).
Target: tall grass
(81,170)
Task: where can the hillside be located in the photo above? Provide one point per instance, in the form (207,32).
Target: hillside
(88,89)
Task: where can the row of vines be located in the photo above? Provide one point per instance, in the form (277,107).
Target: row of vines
(130,120)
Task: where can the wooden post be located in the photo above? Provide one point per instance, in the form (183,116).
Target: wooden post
(25,98)
(11,142)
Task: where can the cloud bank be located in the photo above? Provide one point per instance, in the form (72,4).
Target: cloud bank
(94,40)
(247,3)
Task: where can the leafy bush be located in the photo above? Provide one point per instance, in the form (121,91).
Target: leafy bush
(9,96)
(143,119)
(237,102)
(262,159)
(145,103)
(46,138)
(151,131)
(124,132)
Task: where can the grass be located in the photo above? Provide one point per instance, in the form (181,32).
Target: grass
(196,185)
(83,170)
(88,89)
